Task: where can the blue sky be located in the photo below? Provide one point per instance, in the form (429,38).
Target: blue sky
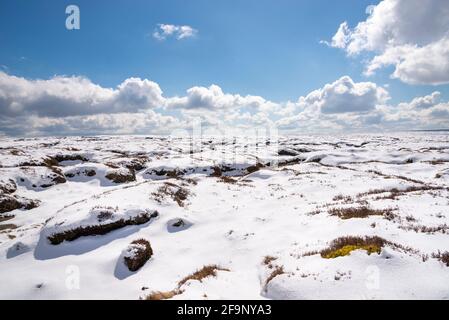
(267,48)
(257,47)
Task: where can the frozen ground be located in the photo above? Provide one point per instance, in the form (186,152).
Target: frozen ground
(261,212)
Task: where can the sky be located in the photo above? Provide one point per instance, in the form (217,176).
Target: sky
(151,67)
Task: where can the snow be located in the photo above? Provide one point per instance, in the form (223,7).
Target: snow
(277,211)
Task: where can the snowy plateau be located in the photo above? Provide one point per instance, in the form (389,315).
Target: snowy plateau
(148,217)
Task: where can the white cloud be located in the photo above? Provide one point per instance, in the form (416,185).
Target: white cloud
(70,96)
(412,35)
(341,38)
(344,96)
(213,98)
(164,31)
(76,106)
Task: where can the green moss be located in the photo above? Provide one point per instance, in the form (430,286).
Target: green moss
(346,250)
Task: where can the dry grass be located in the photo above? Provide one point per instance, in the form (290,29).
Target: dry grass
(343,198)
(204,272)
(225,179)
(267,260)
(443,257)
(436,162)
(278,270)
(389,176)
(395,193)
(199,275)
(170,190)
(360,212)
(163,295)
(443,228)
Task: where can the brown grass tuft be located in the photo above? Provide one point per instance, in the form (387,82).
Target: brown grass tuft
(161,295)
(276,272)
(204,272)
(360,212)
(225,179)
(345,199)
(176,193)
(395,193)
(443,257)
(199,275)
(267,260)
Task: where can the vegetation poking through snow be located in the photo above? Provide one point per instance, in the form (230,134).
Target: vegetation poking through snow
(101,227)
(170,190)
(442,256)
(163,295)
(9,203)
(343,246)
(121,175)
(278,270)
(199,275)
(204,272)
(359,212)
(137,254)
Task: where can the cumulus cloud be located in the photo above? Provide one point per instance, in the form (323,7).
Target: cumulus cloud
(70,96)
(344,95)
(76,106)
(213,98)
(411,35)
(164,31)
(345,106)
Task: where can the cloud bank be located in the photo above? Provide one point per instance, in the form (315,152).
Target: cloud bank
(77,106)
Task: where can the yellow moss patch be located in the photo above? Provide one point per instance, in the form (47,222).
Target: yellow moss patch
(346,250)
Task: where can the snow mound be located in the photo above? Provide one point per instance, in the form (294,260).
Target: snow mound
(97,221)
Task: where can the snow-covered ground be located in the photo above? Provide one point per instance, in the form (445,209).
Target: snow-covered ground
(260,210)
